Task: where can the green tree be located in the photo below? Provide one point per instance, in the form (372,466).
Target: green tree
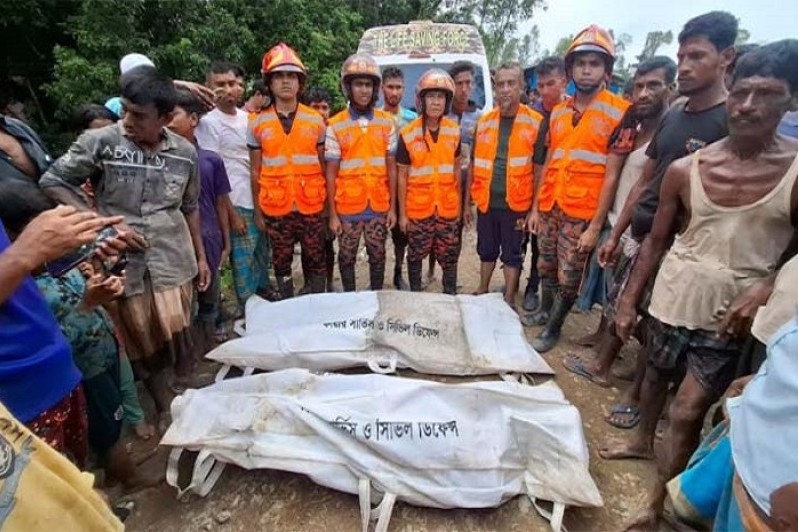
(183,37)
(562,46)
(654,40)
(497,20)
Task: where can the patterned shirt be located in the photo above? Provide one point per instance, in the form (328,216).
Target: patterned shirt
(89,332)
(153,190)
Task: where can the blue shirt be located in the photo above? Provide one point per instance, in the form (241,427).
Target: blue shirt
(214,183)
(789,124)
(36,368)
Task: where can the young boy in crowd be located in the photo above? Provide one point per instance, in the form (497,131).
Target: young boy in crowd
(214,192)
(77,306)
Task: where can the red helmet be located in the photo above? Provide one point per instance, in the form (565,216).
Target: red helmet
(282,58)
(594,38)
(360,66)
(434,79)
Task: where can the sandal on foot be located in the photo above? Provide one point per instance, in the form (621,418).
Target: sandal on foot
(576,365)
(623,410)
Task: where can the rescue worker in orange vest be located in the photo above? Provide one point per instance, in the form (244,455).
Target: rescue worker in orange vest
(429,181)
(501,181)
(286,142)
(579,180)
(361,172)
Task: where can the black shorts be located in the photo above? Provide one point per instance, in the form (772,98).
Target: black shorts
(500,232)
(104,408)
(711,360)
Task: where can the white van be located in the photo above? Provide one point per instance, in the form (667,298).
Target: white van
(420,45)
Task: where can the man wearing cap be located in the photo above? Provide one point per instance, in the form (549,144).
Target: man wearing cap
(360,151)
(579,180)
(286,143)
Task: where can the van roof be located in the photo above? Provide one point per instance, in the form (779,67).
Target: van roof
(421,37)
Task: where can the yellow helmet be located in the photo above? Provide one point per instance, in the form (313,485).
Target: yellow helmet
(594,38)
(282,58)
(360,66)
(434,79)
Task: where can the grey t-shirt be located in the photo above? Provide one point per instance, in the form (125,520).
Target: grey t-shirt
(152,190)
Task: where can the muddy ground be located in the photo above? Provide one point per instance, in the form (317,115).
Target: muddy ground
(277,501)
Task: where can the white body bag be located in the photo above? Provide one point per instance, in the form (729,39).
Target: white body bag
(430,333)
(471,445)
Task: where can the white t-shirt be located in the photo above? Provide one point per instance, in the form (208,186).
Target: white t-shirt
(227,135)
(630,173)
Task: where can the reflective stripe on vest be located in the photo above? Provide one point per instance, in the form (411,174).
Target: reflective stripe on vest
(432,185)
(520,152)
(575,172)
(291,177)
(362,178)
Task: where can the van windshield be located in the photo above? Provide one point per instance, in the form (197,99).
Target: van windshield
(413,71)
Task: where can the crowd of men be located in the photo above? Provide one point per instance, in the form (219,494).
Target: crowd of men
(675,210)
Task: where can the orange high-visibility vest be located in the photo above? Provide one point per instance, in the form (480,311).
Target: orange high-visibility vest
(578,159)
(431,180)
(290,172)
(521,148)
(362,178)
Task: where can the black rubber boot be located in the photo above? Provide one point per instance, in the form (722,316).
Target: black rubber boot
(541,316)
(377,276)
(531,300)
(317,284)
(550,335)
(414,275)
(286,286)
(398,282)
(348,278)
(449,280)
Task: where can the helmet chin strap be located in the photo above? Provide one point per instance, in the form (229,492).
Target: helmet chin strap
(587,89)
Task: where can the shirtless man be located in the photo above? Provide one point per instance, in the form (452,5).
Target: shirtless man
(740,189)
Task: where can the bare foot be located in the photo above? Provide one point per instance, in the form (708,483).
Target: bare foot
(144,431)
(589,340)
(644,521)
(622,450)
(478,292)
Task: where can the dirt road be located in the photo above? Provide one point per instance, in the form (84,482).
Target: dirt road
(278,501)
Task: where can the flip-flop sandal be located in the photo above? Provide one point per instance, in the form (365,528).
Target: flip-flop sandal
(575,365)
(632,411)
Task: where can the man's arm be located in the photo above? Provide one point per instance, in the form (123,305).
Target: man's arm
(332,172)
(655,244)
(390,162)
(606,197)
(401,186)
(50,235)
(190,208)
(195,229)
(254,178)
(737,319)
(61,182)
(224,225)
(625,217)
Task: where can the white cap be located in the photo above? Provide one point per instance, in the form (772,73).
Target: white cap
(131,61)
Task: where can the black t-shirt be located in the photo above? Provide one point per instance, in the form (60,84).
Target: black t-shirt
(402,155)
(679,134)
